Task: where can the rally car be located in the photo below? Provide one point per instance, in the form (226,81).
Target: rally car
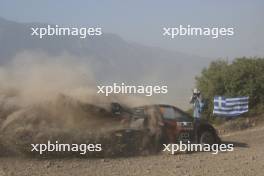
(172,123)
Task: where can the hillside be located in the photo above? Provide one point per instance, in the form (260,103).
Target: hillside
(112,58)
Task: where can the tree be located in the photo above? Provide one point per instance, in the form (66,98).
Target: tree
(243,77)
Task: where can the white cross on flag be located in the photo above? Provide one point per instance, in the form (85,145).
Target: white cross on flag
(230,107)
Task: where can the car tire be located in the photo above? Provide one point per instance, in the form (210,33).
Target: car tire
(207,137)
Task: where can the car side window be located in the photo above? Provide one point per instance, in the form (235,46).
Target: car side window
(182,116)
(170,113)
(178,114)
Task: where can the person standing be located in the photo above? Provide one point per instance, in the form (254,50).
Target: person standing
(196,100)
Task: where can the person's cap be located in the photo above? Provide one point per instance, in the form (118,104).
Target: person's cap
(196,91)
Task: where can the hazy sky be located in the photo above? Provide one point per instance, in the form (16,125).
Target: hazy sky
(142,21)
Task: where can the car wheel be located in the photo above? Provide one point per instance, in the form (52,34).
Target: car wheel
(207,137)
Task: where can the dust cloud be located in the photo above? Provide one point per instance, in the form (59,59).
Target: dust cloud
(52,98)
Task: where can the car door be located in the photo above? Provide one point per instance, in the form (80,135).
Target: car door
(177,124)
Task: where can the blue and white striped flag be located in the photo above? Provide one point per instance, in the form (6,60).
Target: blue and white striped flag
(230,107)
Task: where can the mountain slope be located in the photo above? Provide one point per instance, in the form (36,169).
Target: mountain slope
(112,58)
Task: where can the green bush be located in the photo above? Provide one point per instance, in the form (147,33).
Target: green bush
(242,77)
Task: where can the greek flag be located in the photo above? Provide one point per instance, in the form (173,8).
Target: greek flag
(230,107)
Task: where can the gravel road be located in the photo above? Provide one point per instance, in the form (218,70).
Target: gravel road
(246,160)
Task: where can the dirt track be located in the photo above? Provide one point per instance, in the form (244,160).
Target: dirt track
(246,160)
